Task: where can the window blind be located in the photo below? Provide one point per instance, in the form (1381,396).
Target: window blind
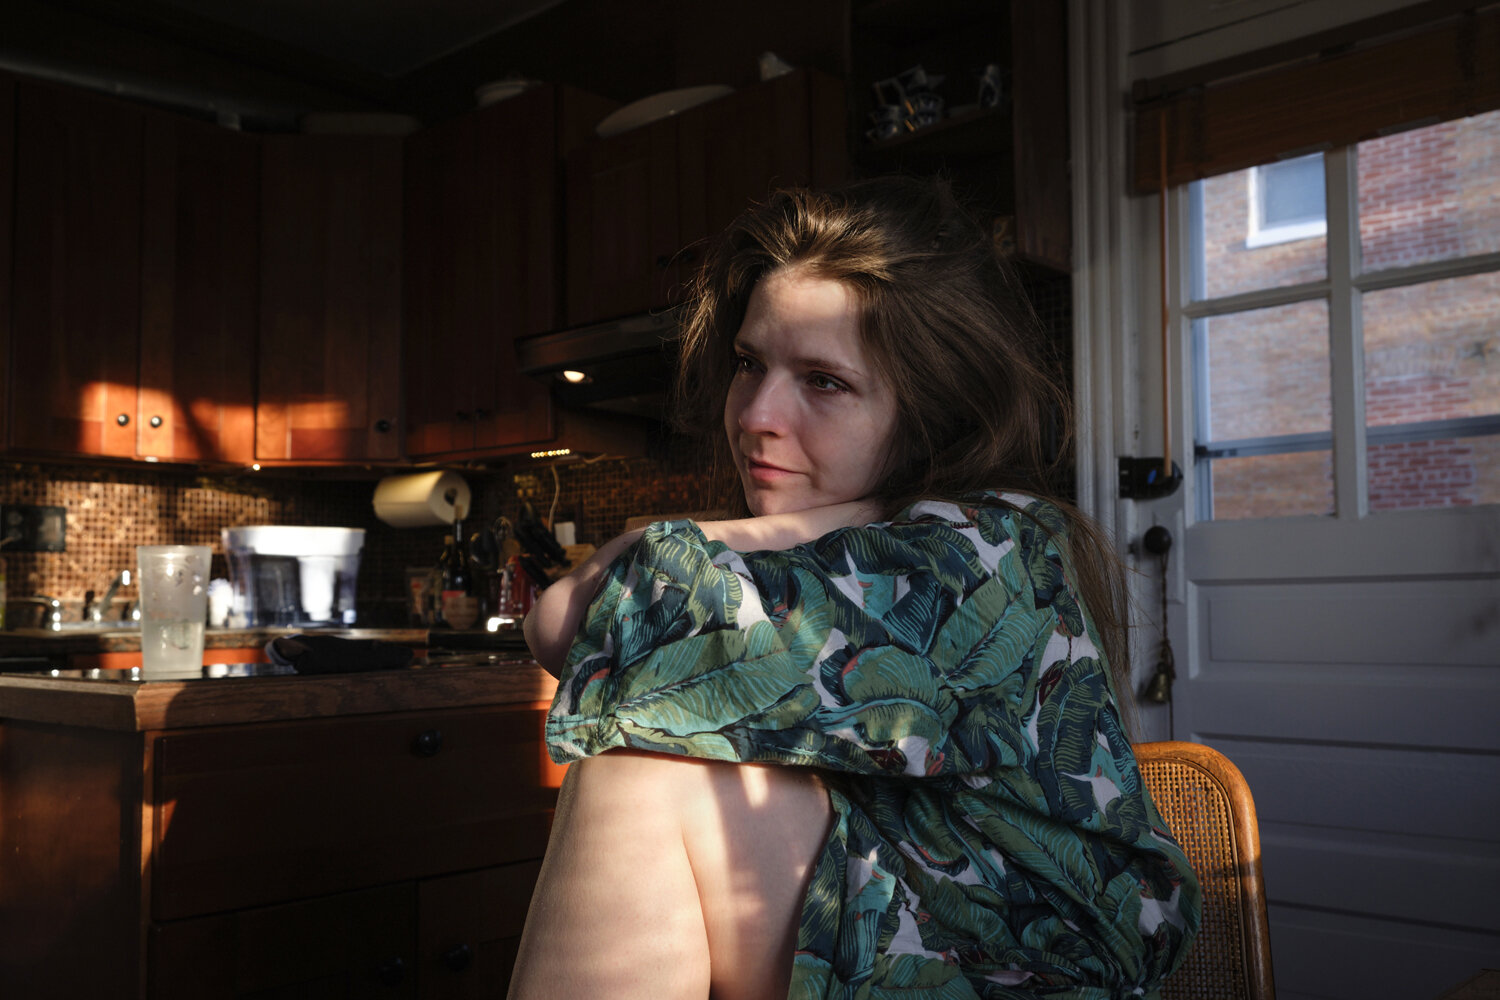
(1368,79)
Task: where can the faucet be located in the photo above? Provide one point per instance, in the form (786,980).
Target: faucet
(95,612)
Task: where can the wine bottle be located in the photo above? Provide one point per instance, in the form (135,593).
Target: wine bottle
(460,603)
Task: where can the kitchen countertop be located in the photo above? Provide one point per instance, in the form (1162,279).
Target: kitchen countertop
(45,642)
(118,700)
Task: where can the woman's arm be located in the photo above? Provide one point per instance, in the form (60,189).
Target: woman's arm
(783,531)
(554,619)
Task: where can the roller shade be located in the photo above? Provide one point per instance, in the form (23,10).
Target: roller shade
(1365,80)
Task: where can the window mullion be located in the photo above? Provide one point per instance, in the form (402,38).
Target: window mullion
(1346,339)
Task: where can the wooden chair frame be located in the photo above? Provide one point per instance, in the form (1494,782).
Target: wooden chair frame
(1207,804)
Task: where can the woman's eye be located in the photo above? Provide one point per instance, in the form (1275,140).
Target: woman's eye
(820,381)
(743,363)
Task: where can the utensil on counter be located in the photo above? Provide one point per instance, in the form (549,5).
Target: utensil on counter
(537,541)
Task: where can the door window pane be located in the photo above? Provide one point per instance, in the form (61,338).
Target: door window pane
(1432,393)
(1264,412)
(1258,228)
(1290,485)
(1431,193)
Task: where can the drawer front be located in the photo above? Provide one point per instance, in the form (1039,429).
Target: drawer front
(469,930)
(259,814)
(357,944)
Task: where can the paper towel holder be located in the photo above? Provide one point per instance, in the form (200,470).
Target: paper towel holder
(423,499)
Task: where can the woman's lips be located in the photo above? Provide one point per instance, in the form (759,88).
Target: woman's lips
(765,472)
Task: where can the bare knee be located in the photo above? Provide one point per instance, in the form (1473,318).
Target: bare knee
(675,867)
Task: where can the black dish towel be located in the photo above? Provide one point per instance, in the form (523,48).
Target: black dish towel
(331,654)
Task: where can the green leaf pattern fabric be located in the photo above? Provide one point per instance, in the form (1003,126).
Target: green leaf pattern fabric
(993,837)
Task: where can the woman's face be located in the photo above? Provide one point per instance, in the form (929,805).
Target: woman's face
(809,420)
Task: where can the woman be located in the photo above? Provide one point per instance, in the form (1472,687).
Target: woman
(865,739)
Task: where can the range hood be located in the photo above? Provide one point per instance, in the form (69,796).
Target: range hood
(626,364)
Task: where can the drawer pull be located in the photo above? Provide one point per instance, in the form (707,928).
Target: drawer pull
(458,958)
(391,973)
(427,743)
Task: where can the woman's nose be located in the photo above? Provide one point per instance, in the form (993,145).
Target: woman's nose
(764,409)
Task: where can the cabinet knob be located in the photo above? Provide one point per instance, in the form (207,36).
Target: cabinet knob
(123,419)
(156,421)
(382,425)
(391,973)
(427,743)
(663,262)
(458,958)
(462,414)
(481,413)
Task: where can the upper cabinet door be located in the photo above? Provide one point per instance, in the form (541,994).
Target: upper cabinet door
(483,269)
(200,259)
(330,305)
(623,231)
(76,309)
(640,204)
(7,183)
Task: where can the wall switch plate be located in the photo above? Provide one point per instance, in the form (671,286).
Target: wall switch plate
(31,528)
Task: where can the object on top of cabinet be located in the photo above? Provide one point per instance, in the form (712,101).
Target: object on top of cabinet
(988,116)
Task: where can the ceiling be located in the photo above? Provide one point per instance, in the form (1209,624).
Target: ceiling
(386,38)
(264,64)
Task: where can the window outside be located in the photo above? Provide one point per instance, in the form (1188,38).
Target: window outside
(1287,201)
(1267,411)
(1424,292)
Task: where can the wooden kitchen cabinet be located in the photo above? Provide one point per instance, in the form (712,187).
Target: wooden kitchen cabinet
(75,335)
(639,203)
(366,835)
(199,268)
(483,268)
(134,330)
(329,387)
(7,206)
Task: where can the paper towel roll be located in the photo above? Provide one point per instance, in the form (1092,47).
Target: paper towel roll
(422,499)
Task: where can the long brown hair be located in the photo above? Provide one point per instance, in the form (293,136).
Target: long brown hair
(947,324)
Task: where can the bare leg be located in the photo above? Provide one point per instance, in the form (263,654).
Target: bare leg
(670,877)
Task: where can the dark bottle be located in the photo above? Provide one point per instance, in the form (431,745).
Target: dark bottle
(458,598)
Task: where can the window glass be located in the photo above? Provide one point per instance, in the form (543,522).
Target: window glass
(1237,247)
(1264,411)
(1432,393)
(1287,485)
(1267,373)
(1431,193)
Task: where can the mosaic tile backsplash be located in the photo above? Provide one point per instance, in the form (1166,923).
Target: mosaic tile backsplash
(109,511)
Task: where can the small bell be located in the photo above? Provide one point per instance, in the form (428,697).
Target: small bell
(1159,687)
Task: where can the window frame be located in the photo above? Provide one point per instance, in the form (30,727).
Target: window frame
(1342,289)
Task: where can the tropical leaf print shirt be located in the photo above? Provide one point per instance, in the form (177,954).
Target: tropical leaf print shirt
(992,835)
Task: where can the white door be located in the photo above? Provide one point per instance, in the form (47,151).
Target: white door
(1334,592)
